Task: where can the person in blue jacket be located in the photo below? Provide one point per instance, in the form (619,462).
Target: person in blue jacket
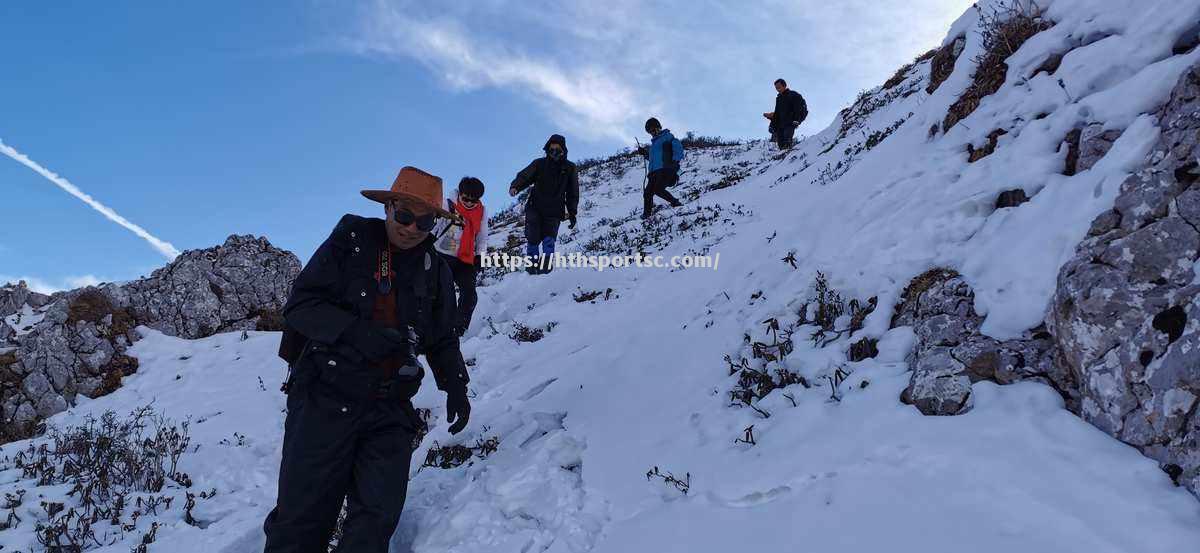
(665,152)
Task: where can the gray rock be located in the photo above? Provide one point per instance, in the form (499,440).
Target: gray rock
(942,330)
(1153,252)
(204,292)
(36,386)
(1125,315)
(24,413)
(940,385)
(950,353)
(13,297)
(1105,222)
(1094,143)
(84,333)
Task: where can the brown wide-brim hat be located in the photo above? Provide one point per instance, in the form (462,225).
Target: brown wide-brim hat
(413,184)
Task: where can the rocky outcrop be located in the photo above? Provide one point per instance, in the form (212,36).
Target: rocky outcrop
(951,354)
(1126,313)
(1121,340)
(78,346)
(203,292)
(14,297)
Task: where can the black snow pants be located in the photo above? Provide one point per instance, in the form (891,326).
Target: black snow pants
(657,185)
(334,452)
(783,135)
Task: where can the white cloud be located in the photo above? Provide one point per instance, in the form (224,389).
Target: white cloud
(81,281)
(163,247)
(599,69)
(48,286)
(466,63)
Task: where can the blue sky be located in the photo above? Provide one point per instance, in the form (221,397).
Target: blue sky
(197,120)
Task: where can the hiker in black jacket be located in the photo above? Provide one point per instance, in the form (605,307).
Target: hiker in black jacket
(374,296)
(555,196)
(790,111)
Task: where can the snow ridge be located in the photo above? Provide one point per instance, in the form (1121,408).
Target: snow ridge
(633,377)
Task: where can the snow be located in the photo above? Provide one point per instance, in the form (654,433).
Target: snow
(637,381)
(23,321)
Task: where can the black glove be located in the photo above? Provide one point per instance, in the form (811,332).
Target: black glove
(643,151)
(458,410)
(375,342)
(571,222)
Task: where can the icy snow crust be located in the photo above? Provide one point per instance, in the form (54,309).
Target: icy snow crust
(635,381)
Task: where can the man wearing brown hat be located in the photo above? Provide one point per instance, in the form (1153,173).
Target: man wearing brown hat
(373,297)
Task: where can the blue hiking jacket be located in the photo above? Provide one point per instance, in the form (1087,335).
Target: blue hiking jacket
(666,152)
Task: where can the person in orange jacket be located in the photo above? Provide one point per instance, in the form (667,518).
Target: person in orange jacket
(462,245)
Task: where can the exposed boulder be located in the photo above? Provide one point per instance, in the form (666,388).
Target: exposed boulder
(219,289)
(1011,198)
(1126,313)
(13,297)
(78,344)
(950,353)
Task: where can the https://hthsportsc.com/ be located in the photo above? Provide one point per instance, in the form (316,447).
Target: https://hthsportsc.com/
(575,260)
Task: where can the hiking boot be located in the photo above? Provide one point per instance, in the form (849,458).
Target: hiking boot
(533,270)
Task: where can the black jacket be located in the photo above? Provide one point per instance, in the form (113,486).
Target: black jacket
(338,287)
(555,186)
(789,107)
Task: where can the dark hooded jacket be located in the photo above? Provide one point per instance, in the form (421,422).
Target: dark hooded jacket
(555,183)
(338,287)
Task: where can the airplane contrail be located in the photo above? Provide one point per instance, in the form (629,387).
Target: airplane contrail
(163,247)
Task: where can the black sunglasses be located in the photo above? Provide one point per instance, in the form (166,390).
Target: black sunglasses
(424,222)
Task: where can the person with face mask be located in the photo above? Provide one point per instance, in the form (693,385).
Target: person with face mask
(555,196)
(463,243)
(664,153)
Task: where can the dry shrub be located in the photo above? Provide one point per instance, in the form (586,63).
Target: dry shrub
(7,359)
(269,320)
(974,154)
(1003,32)
(865,348)
(93,306)
(902,73)
(119,366)
(943,63)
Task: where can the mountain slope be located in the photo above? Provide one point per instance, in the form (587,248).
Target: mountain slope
(650,372)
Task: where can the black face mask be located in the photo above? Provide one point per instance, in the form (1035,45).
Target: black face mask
(554,154)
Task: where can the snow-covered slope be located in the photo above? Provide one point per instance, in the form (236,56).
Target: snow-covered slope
(631,388)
